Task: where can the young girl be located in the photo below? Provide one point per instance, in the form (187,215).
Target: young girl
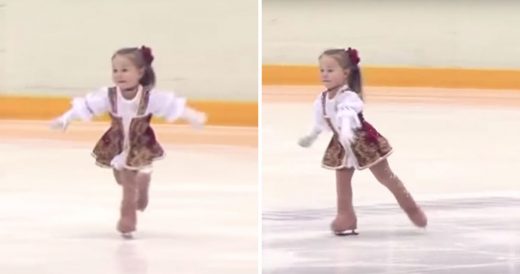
(129,146)
(355,143)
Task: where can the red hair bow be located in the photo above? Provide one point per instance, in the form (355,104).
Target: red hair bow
(353,56)
(147,54)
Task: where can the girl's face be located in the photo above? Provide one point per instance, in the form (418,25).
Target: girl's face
(125,73)
(332,74)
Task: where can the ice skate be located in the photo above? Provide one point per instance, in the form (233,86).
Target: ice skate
(127,236)
(126,228)
(127,222)
(417,216)
(344,225)
(410,207)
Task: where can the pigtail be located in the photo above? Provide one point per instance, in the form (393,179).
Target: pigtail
(148,79)
(354,80)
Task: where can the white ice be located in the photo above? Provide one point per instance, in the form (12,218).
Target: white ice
(460,161)
(58,210)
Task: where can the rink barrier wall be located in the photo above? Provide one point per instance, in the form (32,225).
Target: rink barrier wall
(400,77)
(225,113)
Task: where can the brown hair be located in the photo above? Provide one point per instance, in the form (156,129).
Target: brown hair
(348,59)
(142,58)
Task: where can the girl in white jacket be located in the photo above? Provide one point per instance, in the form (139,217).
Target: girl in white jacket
(129,146)
(355,143)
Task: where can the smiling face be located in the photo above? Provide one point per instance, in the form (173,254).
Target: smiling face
(332,74)
(125,73)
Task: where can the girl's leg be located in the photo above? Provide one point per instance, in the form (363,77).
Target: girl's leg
(118,175)
(385,176)
(127,179)
(143,184)
(346,217)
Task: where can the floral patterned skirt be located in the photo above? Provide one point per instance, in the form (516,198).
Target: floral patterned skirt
(369,148)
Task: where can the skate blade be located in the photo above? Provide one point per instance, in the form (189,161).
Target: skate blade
(346,233)
(127,236)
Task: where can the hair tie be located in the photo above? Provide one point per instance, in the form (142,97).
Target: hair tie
(147,54)
(353,56)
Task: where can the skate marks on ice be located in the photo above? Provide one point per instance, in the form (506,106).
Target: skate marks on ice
(469,235)
(58,210)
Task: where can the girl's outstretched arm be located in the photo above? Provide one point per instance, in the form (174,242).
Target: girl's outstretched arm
(84,108)
(317,126)
(171,107)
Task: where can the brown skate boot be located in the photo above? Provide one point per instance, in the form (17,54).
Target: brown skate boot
(126,227)
(408,204)
(417,216)
(344,224)
(127,223)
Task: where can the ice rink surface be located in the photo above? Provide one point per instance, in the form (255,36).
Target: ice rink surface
(58,210)
(457,151)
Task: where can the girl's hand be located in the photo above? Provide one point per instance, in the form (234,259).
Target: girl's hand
(307,141)
(59,124)
(199,120)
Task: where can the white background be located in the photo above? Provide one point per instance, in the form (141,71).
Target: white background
(423,33)
(203,49)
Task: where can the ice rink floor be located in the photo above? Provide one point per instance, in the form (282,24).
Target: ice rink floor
(457,151)
(58,210)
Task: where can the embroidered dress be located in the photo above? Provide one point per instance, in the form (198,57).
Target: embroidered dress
(355,142)
(130,142)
